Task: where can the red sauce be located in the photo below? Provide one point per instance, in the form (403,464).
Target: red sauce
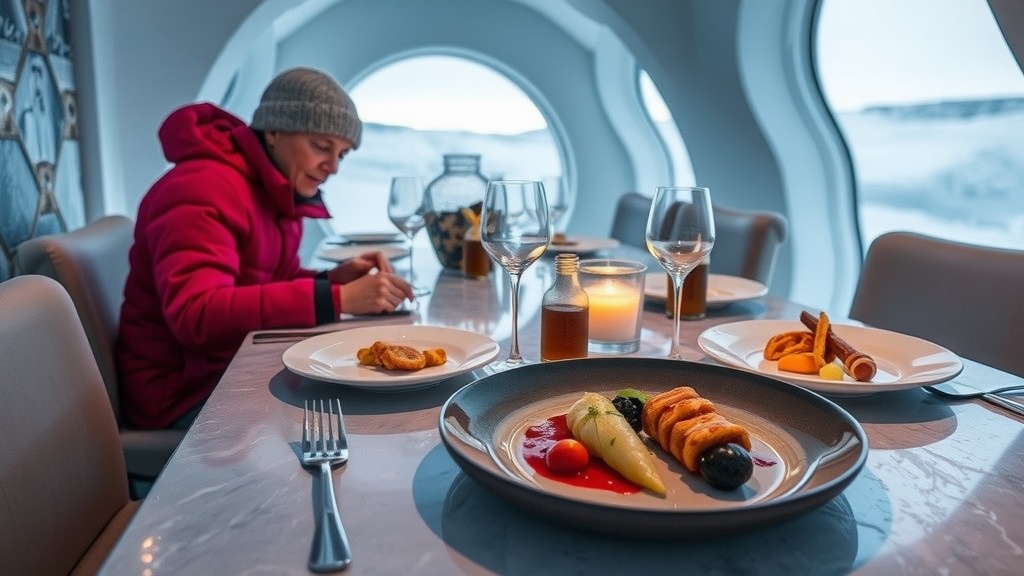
(598,475)
(762,461)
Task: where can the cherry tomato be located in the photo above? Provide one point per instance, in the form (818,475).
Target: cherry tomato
(567,455)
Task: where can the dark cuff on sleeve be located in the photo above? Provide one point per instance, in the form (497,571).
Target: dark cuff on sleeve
(323,300)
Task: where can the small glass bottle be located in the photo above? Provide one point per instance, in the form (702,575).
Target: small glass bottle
(565,316)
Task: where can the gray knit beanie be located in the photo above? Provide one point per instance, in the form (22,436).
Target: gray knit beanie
(305,100)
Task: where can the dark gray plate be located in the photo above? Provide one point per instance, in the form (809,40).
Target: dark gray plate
(810,449)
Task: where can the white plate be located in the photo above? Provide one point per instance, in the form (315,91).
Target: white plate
(583,245)
(722,289)
(341,253)
(373,237)
(903,361)
(332,357)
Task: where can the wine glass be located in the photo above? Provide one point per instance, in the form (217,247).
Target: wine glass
(680,234)
(515,231)
(557,192)
(407,211)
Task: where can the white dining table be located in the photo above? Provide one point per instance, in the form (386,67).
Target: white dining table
(942,490)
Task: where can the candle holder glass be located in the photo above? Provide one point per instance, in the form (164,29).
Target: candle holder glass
(615,289)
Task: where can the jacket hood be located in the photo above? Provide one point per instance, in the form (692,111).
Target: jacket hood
(201,132)
(206,132)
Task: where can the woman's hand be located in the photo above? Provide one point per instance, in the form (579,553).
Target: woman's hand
(374,294)
(360,266)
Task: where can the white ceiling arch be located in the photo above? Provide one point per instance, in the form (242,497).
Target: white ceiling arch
(576,71)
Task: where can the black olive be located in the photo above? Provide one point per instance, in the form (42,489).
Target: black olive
(726,466)
(630,408)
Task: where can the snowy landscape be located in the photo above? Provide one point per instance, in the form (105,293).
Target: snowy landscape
(951,169)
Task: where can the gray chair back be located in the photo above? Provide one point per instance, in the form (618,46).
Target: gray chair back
(63,488)
(92,265)
(964,297)
(629,225)
(747,242)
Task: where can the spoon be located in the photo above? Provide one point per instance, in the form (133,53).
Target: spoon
(990,396)
(956,390)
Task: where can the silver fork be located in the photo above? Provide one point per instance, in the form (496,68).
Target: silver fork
(323,449)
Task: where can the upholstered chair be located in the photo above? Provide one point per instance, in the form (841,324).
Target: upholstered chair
(747,242)
(63,488)
(92,265)
(964,297)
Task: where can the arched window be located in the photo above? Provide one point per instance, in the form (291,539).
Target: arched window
(415,110)
(682,170)
(931,103)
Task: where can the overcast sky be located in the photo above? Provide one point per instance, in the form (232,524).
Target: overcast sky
(445,93)
(869,52)
(907,51)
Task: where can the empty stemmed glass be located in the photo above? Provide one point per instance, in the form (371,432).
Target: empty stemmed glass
(407,210)
(556,191)
(515,232)
(680,234)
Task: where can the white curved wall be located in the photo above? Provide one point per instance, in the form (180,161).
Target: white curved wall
(690,49)
(134,64)
(526,46)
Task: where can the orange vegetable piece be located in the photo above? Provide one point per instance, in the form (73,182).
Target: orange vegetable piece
(820,341)
(802,363)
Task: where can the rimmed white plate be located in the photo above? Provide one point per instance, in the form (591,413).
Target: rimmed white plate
(722,289)
(342,253)
(807,448)
(332,357)
(583,245)
(373,237)
(903,361)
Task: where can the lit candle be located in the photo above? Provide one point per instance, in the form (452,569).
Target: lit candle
(614,309)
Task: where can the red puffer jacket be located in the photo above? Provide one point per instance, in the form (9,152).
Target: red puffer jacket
(215,256)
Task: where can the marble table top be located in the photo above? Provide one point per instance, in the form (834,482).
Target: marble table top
(941,492)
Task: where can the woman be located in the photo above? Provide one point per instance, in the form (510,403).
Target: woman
(216,244)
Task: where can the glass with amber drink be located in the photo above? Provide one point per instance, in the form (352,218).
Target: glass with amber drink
(695,294)
(680,235)
(475,261)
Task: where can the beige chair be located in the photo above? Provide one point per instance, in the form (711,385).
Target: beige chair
(967,298)
(63,489)
(92,265)
(747,242)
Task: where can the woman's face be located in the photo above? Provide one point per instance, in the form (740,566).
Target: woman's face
(306,160)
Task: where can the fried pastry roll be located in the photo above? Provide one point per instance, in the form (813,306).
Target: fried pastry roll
(686,425)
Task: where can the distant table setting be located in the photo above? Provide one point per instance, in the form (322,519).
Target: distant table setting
(447,469)
(723,289)
(340,248)
(582,245)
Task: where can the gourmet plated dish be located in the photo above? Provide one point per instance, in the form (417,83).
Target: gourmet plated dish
(400,357)
(815,351)
(603,443)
